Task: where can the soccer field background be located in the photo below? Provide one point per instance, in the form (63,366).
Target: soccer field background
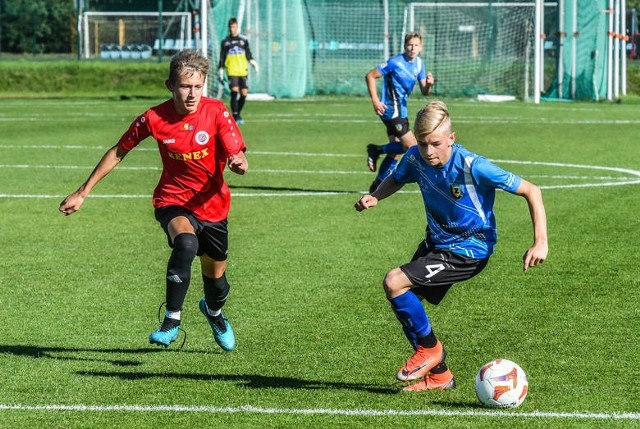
(318,345)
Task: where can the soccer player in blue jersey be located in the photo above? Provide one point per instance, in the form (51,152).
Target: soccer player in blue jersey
(458,188)
(400,75)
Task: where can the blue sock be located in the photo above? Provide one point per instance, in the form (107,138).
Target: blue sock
(392,148)
(411,314)
(387,166)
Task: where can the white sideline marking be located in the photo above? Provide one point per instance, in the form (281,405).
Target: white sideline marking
(323,411)
(613,181)
(349,172)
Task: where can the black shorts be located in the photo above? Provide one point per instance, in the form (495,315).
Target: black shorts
(239,81)
(212,236)
(434,271)
(397,127)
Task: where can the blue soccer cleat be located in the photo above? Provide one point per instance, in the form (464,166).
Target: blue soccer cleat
(165,334)
(222,332)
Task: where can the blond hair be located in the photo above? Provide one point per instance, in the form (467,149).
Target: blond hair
(434,116)
(187,62)
(412,35)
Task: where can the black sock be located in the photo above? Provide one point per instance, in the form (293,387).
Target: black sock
(429,341)
(440,368)
(216,291)
(185,247)
(241,101)
(234,104)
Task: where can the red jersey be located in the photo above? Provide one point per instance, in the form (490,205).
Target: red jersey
(194,151)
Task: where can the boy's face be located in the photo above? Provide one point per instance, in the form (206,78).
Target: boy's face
(435,148)
(233,29)
(187,92)
(412,48)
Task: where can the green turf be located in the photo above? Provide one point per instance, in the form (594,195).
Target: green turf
(79,295)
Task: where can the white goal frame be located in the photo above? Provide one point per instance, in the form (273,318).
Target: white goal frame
(538,5)
(185,25)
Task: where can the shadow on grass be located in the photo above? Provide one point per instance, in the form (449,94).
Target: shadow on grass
(52,353)
(254,381)
(290,189)
(245,380)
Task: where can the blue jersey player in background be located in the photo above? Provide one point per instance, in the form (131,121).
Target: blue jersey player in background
(399,74)
(458,188)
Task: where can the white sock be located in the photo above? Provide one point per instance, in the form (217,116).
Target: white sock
(212,313)
(173,314)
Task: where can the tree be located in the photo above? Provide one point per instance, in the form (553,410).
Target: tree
(37,26)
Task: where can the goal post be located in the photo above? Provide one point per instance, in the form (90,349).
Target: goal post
(126,34)
(478,48)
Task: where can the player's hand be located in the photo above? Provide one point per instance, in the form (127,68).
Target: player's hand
(535,255)
(238,163)
(221,75)
(71,204)
(255,66)
(379,107)
(366,202)
(430,79)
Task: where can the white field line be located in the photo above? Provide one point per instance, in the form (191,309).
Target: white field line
(329,118)
(289,171)
(613,181)
(249,409)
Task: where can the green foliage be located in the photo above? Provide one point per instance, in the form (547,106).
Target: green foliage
(82,78)
(315,333)
(38,26)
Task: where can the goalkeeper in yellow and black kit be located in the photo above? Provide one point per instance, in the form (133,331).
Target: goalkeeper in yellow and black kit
(235,57)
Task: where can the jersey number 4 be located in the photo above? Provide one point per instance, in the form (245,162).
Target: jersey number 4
(433,269)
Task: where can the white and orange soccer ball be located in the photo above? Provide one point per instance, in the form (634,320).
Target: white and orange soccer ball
(501,383)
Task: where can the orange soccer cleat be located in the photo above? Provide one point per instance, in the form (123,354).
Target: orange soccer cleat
(444,381)
(422,361)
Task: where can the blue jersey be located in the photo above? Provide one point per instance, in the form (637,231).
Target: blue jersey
(399,78)
(458,198)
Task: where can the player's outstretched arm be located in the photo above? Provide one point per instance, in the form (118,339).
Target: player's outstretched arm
(238,163)
(387,188)
(110,159)
(537,253)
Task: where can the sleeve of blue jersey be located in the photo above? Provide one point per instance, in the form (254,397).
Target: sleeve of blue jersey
(486,173)
(406,171)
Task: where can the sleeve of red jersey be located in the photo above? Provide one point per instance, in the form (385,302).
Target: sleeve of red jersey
(230,135)
(138,131)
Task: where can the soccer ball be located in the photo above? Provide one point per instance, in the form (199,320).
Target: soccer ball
(501,384)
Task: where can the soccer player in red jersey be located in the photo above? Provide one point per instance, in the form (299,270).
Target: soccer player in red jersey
(196,137)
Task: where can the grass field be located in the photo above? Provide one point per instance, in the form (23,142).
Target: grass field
(317,343)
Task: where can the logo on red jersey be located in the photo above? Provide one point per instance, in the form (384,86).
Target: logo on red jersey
(199,154)
(202,137)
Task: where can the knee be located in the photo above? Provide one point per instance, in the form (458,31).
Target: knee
(186,245)
(395,283)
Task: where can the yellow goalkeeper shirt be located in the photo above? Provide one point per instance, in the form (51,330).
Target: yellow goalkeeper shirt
(235,56)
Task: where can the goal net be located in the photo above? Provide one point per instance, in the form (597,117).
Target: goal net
(476,48)
(327,46)
(312,46)
(124,35)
